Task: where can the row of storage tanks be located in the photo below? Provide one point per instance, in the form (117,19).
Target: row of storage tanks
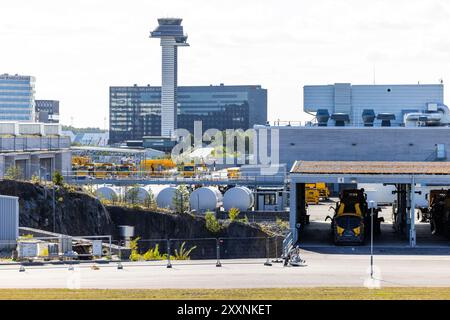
(15,128)
(201,199)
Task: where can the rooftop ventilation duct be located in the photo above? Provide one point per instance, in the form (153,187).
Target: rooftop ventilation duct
(368,117)
(386,119)
(340,119)
(435,115)
(322,117)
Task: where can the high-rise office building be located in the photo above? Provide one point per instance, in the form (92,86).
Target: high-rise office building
(47,111)
(171,34)
(135,111)
(17,97)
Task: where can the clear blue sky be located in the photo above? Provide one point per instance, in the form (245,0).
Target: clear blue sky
(77,49)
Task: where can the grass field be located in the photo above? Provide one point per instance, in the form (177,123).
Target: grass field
(232,294)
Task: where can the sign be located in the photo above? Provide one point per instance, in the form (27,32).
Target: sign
(97,248)
(340,180)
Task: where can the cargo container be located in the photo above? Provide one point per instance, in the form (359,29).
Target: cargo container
(31,128)
(52,129)
(9,221)
(9,128)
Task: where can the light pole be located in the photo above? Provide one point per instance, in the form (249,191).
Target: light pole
(372,205)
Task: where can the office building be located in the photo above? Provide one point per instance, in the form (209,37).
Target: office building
(47,111)
(171,34)
(17,98)
(135,111)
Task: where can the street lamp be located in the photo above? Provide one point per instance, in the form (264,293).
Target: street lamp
(372,206)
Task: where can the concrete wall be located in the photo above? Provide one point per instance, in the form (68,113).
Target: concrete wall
(359,143)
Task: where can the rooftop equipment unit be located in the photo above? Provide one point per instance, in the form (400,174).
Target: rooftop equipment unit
(368,117)
(322,116)
(340,119)
(386,119)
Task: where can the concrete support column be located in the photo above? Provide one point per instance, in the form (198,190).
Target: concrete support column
(412,216)
(293,211)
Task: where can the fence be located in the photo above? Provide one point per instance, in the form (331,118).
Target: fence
(214,251)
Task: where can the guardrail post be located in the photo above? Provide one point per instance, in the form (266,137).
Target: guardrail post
(169,265)
(119,264)
(267,263)
(218,264)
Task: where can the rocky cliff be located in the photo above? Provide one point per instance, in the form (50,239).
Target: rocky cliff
(76,212)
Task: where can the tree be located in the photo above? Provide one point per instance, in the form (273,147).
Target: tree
(181,199)
(13,173)
(58,178)
(149,200)
(132,195)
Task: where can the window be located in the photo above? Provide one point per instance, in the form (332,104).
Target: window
(270,199)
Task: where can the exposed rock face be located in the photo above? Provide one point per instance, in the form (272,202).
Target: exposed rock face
(238,240)
(77,213)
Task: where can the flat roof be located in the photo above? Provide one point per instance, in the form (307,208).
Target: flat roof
(371,167)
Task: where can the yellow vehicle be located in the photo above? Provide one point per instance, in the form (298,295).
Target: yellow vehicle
(82,171)
(103,170)
(312,196)
(124,170)
(233,173)
(80,161)
(157,167)
(324,192)
(351,221)
(190,170)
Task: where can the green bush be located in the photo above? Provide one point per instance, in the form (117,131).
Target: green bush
(233,213)
(58,178)
(13,173)
(183,253)
(211,222)
(154,254)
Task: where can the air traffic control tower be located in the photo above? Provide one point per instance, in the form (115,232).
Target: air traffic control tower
(171,34)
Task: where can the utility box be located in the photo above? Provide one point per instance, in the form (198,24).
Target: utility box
(9,221)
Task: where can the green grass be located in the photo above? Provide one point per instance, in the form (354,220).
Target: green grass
(232,294)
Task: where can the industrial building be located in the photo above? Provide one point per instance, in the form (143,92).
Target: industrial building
(17,98)
(374,105)
(47,111)
(37,149)
(135,112)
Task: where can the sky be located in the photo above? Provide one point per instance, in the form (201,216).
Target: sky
(77,49)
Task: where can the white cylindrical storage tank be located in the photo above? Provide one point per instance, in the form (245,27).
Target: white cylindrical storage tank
(9,128)
(52,129)
(9,221)
(205,198)
(238,197)
(108,193)
(144,191)
(164,198)
(31,128)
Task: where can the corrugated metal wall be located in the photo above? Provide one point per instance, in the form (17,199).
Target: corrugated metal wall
(9,218)
(382,98)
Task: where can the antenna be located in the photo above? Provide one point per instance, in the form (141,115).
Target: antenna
(374,74)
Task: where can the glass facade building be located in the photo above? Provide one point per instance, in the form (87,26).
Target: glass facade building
(47,111)
(17,98)
(135,111)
